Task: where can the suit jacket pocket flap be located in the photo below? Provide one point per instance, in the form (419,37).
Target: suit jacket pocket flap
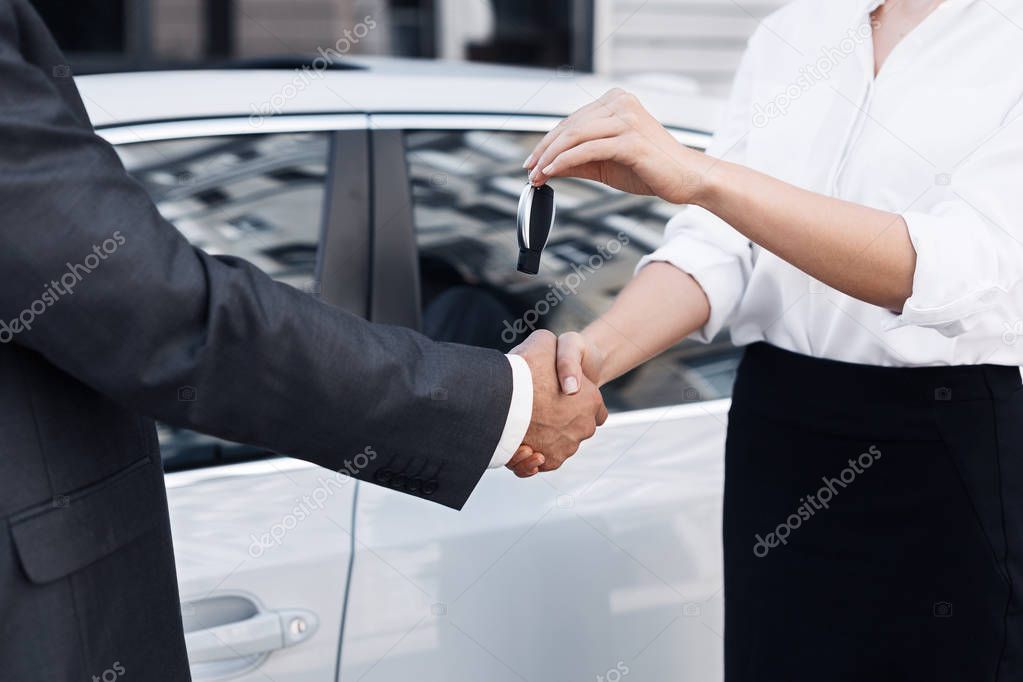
(71,532)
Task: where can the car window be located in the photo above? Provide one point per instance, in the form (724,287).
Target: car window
(466,186)
(257,197)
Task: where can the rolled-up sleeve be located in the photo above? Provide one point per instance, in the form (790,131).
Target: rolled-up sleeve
(969,244)
(701,244)
(716,256)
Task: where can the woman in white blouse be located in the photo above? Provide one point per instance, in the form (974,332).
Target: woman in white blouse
(858,225)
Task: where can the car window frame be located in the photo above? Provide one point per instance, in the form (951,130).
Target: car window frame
(399,241)
(341,274)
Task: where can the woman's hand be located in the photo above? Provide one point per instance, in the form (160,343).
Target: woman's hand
(578,357)
(617,142)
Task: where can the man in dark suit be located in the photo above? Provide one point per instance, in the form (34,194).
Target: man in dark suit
(107,314)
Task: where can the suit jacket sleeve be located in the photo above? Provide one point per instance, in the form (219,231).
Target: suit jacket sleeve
(97,282)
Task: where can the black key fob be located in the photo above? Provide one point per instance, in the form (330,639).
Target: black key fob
(536,218)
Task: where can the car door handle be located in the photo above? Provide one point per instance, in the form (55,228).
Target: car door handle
(262,633)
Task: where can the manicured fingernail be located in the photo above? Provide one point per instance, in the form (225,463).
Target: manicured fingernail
(571,385)
(532,175)
(548,170)
(529,162)
(541,459)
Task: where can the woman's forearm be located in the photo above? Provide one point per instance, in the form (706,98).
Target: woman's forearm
(657,309)
(862,252)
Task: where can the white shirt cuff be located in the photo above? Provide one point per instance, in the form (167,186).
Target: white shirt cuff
(520,413)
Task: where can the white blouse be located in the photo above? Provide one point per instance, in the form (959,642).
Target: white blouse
(937,137)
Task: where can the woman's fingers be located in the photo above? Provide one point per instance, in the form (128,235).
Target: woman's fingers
(571,349)
(579,160)
(574,135)
(595,109)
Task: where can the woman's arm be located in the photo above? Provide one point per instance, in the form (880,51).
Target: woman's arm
(860,251)
(638,327)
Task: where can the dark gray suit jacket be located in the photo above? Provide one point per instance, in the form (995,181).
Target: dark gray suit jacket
(109,316)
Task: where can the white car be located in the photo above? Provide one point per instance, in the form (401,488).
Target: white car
(389,188)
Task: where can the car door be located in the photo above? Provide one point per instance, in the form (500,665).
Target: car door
(607,568)
(262,543)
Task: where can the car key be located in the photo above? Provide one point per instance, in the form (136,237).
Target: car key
(535,220)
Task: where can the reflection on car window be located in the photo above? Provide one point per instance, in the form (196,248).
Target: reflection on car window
(257,197)
(466,186)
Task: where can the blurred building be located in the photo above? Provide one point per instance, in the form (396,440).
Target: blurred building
(694,39)
(698,39)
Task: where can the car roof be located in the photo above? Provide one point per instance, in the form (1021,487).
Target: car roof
(375,85)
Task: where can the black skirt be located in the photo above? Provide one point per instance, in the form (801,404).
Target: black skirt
(873,522)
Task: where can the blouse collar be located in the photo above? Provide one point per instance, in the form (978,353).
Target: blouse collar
(871,5)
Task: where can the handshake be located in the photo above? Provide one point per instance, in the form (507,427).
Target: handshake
(567,405)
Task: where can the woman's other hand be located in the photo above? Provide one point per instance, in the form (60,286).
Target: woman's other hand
(616,141)
(578,357)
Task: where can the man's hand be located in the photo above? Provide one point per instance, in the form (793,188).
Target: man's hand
(560,422)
